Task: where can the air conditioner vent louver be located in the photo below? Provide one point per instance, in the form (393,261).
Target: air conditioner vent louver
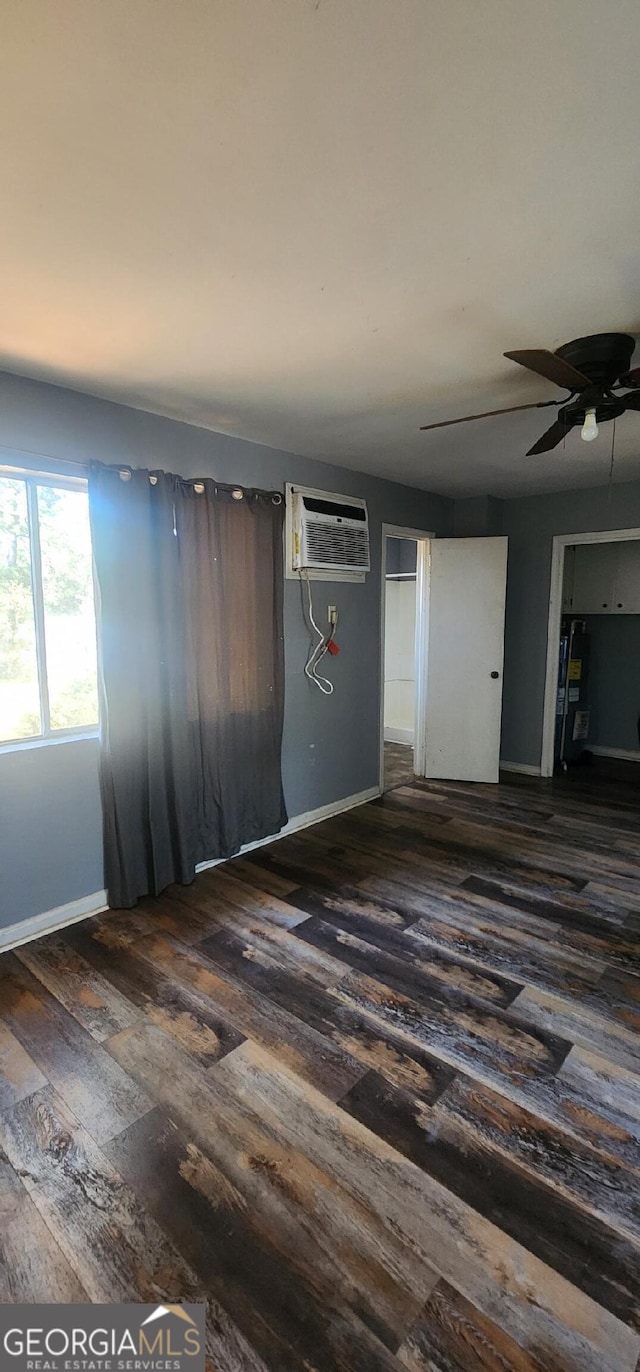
(338,546)
(329,533)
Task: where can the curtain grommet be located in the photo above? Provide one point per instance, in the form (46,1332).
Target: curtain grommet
(276,500)
(198,487)
(124,474)
(237,493)
(153,480)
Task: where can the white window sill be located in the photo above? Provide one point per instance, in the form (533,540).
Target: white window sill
(21,745)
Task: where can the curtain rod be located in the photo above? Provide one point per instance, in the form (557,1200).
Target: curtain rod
(125,472)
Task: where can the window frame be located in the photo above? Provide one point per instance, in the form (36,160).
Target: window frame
(47,735)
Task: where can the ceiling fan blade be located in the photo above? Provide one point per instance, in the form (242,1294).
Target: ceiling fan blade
(552,437)
(631,401)
(486,414)
(551,366)
(631,378)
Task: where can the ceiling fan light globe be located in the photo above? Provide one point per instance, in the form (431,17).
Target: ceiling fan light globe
(590,428)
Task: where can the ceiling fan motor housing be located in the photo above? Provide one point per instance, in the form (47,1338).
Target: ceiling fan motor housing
(606,407)
(603,357)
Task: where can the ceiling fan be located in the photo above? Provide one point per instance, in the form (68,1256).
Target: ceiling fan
(591,369)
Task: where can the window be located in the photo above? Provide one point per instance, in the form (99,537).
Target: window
(48,677)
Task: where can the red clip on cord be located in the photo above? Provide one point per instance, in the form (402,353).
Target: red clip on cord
(332,648)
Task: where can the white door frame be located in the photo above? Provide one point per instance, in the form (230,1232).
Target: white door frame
(423,538)
(560,543)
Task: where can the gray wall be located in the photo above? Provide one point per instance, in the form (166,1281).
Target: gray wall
(50,847)
(478,516)
(51,827)
(531,524)
(614,681)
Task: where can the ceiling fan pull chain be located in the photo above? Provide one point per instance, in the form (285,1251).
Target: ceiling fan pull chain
(613,449)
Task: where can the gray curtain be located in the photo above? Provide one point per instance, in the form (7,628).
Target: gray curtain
(189,594)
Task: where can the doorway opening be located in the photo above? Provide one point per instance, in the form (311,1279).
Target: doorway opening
(400,660)
(456,664)
(403,613)
(592,693)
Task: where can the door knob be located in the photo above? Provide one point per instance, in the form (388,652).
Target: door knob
(495,675)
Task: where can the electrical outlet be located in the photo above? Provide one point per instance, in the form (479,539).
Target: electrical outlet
(332,615)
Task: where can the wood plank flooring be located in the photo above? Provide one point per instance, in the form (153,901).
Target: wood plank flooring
(398,765)
(371,1092)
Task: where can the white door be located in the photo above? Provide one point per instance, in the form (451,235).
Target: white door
(464,652)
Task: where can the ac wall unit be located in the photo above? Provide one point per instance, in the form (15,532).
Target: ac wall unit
(327,535)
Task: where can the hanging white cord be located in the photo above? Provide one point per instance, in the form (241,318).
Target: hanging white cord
(317,653)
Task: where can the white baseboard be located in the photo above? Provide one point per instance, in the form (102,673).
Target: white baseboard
(527,768)
(392,735)
(50,920)
(625,754)
(301,822)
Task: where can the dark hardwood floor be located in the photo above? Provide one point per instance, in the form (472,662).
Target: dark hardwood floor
(371,1092)
(398,765)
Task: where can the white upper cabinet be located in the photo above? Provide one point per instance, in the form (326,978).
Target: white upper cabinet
(626,589)
(603,579)
(594,578)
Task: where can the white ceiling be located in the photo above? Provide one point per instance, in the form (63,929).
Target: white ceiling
(319,223)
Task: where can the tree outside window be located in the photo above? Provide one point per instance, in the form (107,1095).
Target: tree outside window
(48,676)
